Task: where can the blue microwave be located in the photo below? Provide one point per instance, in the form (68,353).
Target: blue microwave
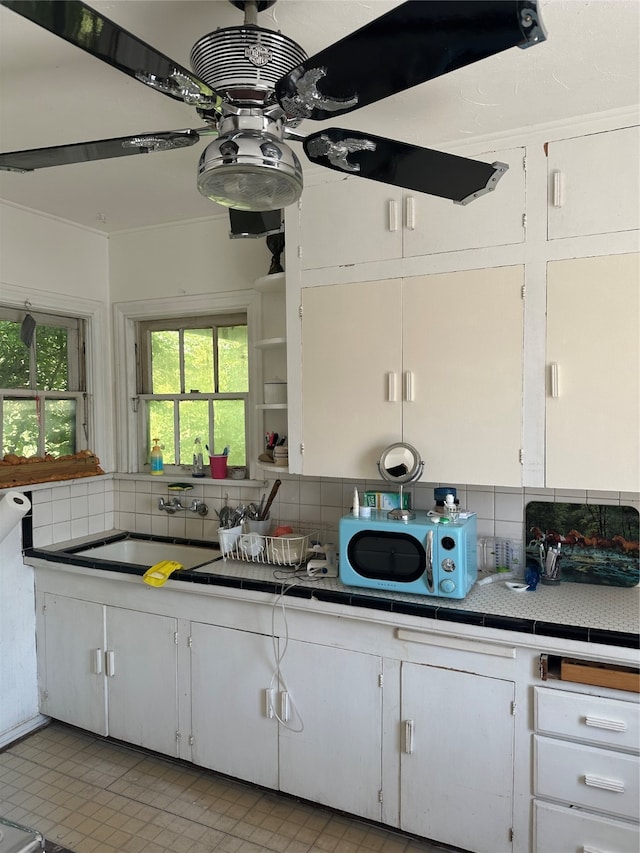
(419,555)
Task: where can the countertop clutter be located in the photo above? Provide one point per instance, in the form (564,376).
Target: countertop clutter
(584,612)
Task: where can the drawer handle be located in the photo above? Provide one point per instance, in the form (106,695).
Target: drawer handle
(587,848)
(605,784)
(611,725)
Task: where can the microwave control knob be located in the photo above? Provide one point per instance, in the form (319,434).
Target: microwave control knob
(448,565)
(447,586)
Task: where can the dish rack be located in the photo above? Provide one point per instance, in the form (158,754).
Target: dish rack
(292,550)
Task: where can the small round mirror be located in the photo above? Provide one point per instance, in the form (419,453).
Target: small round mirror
(400,463)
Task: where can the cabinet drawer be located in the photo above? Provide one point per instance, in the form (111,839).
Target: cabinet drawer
(587,776)
(566,830)
(610,722)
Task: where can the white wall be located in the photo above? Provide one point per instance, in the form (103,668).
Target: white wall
(188,258)
(55,266)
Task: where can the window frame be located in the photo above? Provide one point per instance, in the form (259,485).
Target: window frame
(76,327)
(131,450)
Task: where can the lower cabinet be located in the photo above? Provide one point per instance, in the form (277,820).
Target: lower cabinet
(111,671)
(565,829)
(586,773)
(331,746)
(296,728)
(232,725)
(458,727)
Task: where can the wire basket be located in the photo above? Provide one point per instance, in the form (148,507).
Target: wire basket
(292,549)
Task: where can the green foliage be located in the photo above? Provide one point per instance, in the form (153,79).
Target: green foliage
(22,421)
(202,373)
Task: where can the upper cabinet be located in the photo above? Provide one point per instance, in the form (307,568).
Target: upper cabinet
(355,221)
(420,359)
(593,184)
(593,364)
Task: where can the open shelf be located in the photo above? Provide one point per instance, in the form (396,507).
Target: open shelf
(270,343)
(270,283)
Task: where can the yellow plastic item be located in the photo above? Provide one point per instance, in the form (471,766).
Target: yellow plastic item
(157,575)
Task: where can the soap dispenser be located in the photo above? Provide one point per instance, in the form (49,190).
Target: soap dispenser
(157,464)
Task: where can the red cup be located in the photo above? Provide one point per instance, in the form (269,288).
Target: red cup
(218,466)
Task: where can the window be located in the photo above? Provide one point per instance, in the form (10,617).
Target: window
(42,384)
(194,383)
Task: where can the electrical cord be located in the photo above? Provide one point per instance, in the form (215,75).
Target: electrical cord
(294,579)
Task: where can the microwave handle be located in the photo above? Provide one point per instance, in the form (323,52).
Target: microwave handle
(429,560)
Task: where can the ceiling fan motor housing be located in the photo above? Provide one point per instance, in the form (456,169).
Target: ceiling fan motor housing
(243,64)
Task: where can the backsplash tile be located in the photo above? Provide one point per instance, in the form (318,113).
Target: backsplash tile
(101,504)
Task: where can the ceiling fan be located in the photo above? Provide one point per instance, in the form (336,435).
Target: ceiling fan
(252,87)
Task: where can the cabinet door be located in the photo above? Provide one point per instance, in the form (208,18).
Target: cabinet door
(330,749)
(351,372)
(71,662)
(593,357)
(593,184)
(433,224)
(141,668)
(463,355)
(231,727)
(349,221)
(456,768)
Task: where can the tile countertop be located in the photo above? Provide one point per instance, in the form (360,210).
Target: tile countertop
(585,612)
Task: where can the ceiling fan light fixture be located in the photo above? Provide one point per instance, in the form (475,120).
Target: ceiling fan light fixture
(250,171)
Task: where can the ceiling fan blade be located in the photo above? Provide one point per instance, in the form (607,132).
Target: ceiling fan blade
(103,149)
(415,42)
(85,28)
(422,169)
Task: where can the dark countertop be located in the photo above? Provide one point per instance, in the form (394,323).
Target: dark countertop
(583,612)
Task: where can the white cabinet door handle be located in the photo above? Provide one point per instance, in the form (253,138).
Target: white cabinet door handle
(605,784)
(589,849)
(408,386)
(393,215)
(410,213)
(408,737)
(97,661)
(111,662)
(557,190)
(284,706)
(611,725)
(555,391)
(392,391)
(268,702)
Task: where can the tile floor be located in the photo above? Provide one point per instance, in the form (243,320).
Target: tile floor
(95,796)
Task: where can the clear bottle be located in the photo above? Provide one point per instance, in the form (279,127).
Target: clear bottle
(197,469)
(157,464)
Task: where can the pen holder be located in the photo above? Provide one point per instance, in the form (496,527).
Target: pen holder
(551,572)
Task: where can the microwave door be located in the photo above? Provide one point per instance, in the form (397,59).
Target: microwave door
(429,559)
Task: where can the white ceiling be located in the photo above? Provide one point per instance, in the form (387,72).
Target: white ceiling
(52,93)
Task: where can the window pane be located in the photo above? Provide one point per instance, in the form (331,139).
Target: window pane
(161,427)
(198,360)
(52,366)
(194,423)
(60,427)
(165,363)
(20,427)
(14,358)
(233,362)
(229,429)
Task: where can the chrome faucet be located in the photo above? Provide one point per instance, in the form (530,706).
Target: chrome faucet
(174,505)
